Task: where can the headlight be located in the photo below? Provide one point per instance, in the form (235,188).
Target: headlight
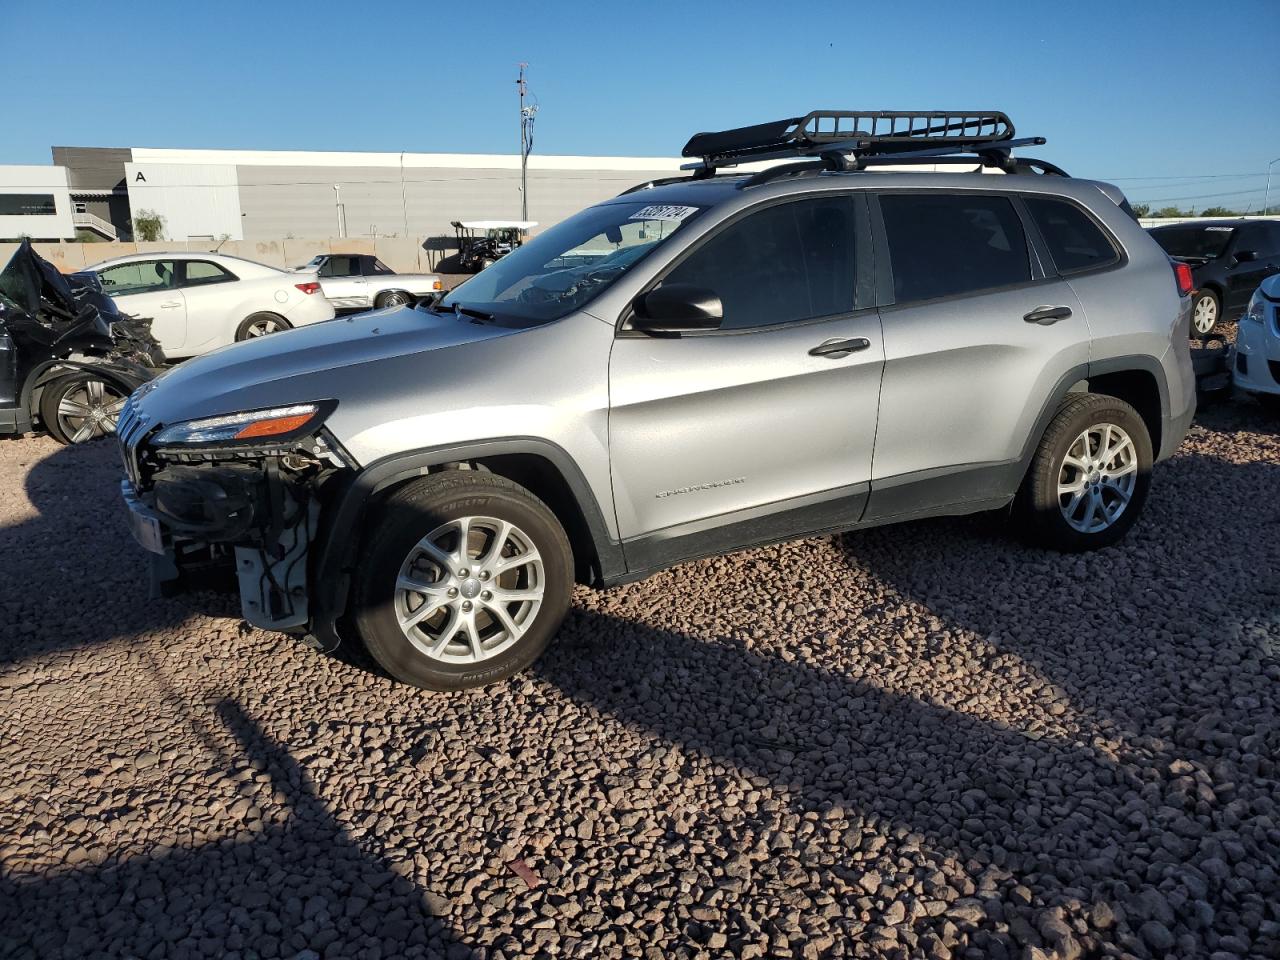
(1256,305)
(277,423)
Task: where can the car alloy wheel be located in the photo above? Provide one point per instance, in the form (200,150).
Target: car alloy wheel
(1097,477)
(469,590)
(87,408)
(1205,315)
(260,328)
(395,300)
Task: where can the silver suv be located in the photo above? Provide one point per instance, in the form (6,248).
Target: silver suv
(693,367)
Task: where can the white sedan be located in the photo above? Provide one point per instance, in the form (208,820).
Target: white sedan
(200,301)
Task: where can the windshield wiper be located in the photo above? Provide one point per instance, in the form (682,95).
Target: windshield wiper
(460,311)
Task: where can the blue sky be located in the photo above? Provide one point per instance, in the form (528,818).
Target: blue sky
(1129,91)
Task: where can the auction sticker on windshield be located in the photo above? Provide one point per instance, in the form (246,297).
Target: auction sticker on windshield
(663,211)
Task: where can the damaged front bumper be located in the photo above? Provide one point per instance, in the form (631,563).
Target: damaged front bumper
(249,517)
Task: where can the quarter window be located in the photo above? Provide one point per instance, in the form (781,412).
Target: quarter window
(790,262)
(201,273)
(340,266)
(1073,239)
(945,245)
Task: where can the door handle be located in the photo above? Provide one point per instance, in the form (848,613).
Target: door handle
(170,303)
(835,349)
(1047,315)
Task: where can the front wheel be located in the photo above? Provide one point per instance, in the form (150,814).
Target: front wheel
(465,579)
(1089,477)
(80,407)
(1205,312)
(261,324)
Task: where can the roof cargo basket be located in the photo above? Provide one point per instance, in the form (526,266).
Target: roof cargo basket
(841,140)
(857,133)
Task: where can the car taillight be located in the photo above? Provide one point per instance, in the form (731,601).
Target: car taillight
(308,288)
(1182,273)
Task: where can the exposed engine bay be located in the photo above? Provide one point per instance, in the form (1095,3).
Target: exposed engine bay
(248,511)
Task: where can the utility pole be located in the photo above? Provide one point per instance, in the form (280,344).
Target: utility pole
(1266,204)
(526,140)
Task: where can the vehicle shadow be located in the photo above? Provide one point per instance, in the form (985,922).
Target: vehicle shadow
(57,594)
(290,880)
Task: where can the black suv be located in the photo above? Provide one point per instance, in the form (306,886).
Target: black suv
(1228,259)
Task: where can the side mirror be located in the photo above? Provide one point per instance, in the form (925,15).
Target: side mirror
(1244,256)
(677,307)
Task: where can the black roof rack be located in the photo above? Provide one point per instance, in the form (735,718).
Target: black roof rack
(857,132)
(841,140)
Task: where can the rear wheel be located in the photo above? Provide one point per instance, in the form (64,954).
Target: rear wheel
(1089,477)
(1205,313)
(261,324)
(393,298)
(466,578)
(80,407)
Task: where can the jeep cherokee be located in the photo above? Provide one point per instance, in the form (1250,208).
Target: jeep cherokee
(699,365)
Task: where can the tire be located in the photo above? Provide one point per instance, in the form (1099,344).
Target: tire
(1059,519)
(1206,313)
(264,322)
(392,298)
(485,264)
(80,407)
(483,649)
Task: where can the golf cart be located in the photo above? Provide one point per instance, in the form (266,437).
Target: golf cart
(483,242)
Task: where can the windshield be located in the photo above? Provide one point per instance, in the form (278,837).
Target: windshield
(561,270)
(1198,242)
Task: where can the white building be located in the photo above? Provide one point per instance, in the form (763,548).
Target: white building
(275,194)
(35,202)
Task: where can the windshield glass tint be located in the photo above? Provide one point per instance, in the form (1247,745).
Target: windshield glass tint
(1207,242)
(563,269)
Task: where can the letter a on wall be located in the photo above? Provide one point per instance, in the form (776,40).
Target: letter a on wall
(139,178)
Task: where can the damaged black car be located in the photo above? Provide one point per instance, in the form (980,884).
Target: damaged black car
(68,357)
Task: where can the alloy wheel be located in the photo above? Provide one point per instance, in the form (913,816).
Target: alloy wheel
(90,410)
(1097,478)
(260,328)
(469,589)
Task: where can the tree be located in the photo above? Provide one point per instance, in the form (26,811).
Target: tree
(1169,212)
(1220,212)
(148,225)
(1142,209)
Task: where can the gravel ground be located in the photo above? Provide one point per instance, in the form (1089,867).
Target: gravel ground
(915,741)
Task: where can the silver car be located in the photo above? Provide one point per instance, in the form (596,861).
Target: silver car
(690,368)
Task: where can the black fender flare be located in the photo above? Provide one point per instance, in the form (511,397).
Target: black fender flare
(348,504)
(1084,372)
(128,378)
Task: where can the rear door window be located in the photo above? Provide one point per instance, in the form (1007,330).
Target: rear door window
(789,262)
(1075,242)
(946,245)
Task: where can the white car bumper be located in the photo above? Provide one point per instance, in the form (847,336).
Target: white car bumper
(1256,367)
